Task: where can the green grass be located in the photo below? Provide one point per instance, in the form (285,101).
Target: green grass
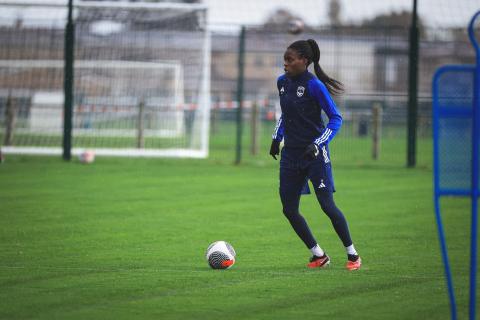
(125,239)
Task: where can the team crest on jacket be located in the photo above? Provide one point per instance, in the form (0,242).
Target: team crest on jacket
(300,91)
(282,90)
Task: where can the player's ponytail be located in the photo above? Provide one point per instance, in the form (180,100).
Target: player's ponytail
(334,86)
(309,49)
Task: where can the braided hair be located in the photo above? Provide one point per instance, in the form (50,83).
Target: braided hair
(309,50)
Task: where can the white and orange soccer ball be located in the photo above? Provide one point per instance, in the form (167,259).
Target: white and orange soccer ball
(87,156)
(220,255)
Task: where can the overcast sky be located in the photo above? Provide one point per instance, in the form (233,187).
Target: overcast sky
(436,13)
(230,14)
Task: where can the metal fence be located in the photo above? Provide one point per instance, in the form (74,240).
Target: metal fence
(372,64)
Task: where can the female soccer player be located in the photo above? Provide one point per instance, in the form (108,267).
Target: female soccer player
(305,154)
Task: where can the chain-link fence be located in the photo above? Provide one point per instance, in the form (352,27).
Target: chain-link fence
(372,63)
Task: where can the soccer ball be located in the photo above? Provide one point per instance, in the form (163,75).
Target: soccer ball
(296,26)
(220,255)
(87,156)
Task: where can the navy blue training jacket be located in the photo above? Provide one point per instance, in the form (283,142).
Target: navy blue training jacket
(302,99)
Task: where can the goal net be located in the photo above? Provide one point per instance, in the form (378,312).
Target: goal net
(141,80)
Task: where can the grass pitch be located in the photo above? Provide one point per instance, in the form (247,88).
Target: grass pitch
(125,239)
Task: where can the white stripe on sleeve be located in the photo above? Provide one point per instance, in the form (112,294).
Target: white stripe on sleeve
(324,137)
(277,127)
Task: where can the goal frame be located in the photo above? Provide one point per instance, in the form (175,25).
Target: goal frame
(202,103)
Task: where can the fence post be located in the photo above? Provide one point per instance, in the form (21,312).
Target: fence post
(376,130)
(214,120)
(255,128)
(241,66)
(412,90)
(141,125)
(68,85)
(10,113)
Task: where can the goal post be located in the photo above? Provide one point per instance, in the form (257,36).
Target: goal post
(141,82)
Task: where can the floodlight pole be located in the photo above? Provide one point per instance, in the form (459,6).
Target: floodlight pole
(68,85)
(412,89)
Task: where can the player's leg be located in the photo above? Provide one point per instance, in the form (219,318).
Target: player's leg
(292,180)
(325,198)
(320,173)
(291,184)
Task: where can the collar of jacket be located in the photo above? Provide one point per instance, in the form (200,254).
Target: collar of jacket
(300,76)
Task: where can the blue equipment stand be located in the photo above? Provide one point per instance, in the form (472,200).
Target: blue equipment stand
(456,138)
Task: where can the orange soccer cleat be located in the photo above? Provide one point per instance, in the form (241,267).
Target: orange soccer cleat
(353,263)
(319,262)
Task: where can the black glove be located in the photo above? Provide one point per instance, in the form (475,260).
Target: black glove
(275,149)
(311,152)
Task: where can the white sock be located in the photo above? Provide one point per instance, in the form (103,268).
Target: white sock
(351,250)
(317,251)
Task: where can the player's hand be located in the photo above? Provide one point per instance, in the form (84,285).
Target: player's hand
(275,149)
(311,152)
